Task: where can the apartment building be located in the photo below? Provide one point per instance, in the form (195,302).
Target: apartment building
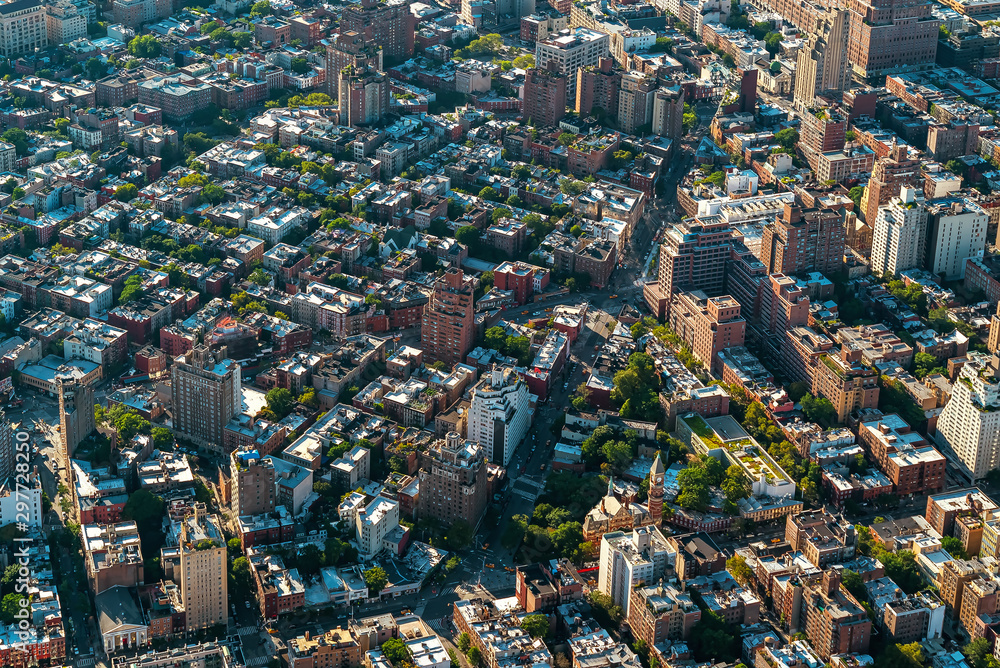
(889,175)
(969,425)
(821,66)
(195,559)
(570,50)
(800,242)
(500,414)
(112,555)
(448,328)
(179,97)
(834,621)
(635,101)
(956,229)
(206,393)
(823,538)
(387,24)
(708,325)
(453,481)
(628,559)
(64,23)
(76,411)
(944,508)
(659,612)
(693,257)
(890,35)
(252,482)
(23,29)
(373,523)
(545,95)
(907,459)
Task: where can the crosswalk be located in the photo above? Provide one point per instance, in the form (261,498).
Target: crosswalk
(248,630)
(89,661)
(258,661)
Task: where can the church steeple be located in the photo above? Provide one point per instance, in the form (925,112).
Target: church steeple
(655,502)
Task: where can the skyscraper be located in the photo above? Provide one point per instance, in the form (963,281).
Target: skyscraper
(693,256)
(899,236)
(822,64)
(206,394)
(956,232)
(453,481)
(635,101)
(500,414)
(448,326)
(363,94)
(196,560)
(888,34)
(570,50)
(349,49)
(598,86)
(655,500)
(969,426)
(390,25)
(890,172)
(76,412)
(668,112)
(798,242)
(251,482)
(544,97)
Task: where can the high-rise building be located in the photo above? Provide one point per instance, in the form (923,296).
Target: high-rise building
(635,101)
(708,325)
(390,25)
(890,34)
(822,129)
(251,482)
(453,481)
(363,94)
(76,412)
(628,559)
(64,23)
(835,623)
(993,345)
(373,523)
(22,28)
(655,499)
(448,327)
(899,235)
(659,612)
(499,414)
(206,394)
(195,559)
(890,172)
(570,50)
(693,256)
(799,242)
(544,97)
(349,49)
(956,232)
(598,86)
(969,425)
(7,451)
(668,112)
(822,63)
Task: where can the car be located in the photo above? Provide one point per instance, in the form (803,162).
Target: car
(614,296)
(247,604)
(524,312)
(486,546)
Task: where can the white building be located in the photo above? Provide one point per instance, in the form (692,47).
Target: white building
(627,559)
(899,238)
(30,513)
(571,50)
(969,426)
(428,652)
(500,414)
(956,232)
(373,523)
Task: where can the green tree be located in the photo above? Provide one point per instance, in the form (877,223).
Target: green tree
(162,437)
(11,607)
(979,653)
(737,567)
(132,290)
(262,8)
(474,656)
(126,192)
(144,508)
(396,651)
(375,580)
(280,401)
(788,138)
(467,235)
(464,642)
(19,138)
(819,410)
(489,193)
(536,626)
(145,46)
(525,62)
(954,547)
(260,277)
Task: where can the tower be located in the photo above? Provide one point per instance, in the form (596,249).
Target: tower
(655,502)
(76,413)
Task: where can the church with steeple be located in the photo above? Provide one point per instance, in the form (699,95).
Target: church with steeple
(618,510)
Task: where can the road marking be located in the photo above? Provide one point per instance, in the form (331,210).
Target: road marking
(258,661)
